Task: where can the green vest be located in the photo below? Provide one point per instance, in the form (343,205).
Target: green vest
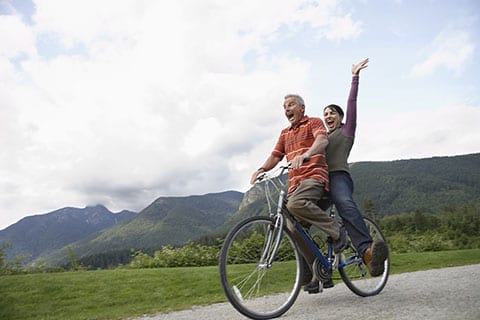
(338,150)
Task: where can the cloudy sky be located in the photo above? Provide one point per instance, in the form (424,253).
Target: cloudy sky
(120,102)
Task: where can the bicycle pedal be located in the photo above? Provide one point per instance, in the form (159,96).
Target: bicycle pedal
(315,291)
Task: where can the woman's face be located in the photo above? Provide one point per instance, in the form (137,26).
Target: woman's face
(332,119)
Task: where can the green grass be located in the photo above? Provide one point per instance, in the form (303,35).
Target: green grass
(409,262)
(106,294)
(126,293)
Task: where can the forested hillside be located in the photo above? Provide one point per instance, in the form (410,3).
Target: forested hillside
(38,235)
(426,185)
(168,220)
(399,189)
(394,187)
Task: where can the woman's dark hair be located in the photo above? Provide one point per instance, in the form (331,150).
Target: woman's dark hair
(337,109)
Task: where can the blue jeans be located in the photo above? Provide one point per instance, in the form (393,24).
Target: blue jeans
(341,193)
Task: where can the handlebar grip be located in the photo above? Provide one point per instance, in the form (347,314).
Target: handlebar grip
(261,177)
(306,159)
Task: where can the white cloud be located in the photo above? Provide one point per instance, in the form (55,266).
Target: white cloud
(90,22)
(343,28)
(418,133)
(451,50)
(22,41)
(121,102)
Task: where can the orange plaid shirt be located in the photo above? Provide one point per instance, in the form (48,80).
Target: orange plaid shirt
(294,141)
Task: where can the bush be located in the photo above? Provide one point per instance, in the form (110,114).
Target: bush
(191,255)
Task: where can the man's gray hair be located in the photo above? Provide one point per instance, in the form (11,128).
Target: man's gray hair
(297,97)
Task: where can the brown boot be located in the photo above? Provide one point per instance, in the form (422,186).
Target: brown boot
(375,256)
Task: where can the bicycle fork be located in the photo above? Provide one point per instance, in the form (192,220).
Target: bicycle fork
(274,236)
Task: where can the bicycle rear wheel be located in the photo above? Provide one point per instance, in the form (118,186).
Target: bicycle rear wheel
(355,273)
(255,288)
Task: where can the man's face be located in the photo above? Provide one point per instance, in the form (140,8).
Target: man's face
(293,111)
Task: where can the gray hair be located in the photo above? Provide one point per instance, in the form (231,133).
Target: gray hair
(297,97)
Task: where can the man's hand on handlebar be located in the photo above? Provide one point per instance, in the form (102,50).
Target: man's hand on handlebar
(257,175)
(298,161)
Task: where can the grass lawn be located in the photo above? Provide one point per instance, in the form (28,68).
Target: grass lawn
(125,293)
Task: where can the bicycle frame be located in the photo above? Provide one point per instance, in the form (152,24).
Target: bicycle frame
(281,213)
(261,264)
(327,262)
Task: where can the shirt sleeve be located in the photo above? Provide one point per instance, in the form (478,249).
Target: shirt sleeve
(318,127)
(279,150)
(351,122)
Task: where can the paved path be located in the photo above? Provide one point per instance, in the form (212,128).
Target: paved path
(450,293)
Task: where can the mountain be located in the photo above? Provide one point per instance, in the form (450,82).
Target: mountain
(426,185)
(394,187)
(386,187)
(168,220)
(38,235)
(253,204)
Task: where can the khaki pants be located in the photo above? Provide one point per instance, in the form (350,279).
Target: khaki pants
(303,205)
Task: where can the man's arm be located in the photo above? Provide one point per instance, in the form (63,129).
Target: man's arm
(269,164)
(318,146)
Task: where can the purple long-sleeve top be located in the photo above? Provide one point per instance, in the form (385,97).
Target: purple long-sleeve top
(350,125)
(340,140)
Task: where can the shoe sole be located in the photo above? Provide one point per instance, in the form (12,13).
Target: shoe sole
(379,255)
(312,290)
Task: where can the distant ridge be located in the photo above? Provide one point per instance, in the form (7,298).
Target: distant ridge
(386,187)
(427,185)
(167,220)
(38,235)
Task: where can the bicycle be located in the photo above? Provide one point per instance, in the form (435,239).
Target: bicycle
(261,267)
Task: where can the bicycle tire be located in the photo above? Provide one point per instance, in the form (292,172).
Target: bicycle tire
(355,274)
(256,290)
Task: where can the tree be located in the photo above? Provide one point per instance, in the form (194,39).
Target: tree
(4,266)
(369,209)
(73,259)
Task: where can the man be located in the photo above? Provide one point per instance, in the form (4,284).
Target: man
(305,138)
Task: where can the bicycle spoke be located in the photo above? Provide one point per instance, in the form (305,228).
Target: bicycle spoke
(247,279)
(354,272)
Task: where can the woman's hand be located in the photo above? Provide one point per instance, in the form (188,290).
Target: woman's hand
(359,66)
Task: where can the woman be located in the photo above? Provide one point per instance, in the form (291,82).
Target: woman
(341,137)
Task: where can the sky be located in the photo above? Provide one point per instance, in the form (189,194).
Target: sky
(121,102)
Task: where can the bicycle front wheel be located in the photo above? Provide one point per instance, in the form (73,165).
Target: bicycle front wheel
(256,287)
(354,272)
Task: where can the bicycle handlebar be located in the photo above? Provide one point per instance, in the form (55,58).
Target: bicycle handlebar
(282,169)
